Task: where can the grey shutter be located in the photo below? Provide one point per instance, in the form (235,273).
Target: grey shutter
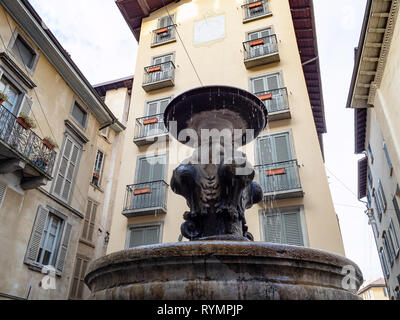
(36,236)
(92,221)
(26,105)
(158,168)
(62,254)
(273,82)
(281,148)
(143,171)
(151,235)
(3,189)
(87,219)
(258,85)
(292,227)
(136,238)
(273,228)
(152,108)
(382,194)
(76,278)
(163,105)
(265,150)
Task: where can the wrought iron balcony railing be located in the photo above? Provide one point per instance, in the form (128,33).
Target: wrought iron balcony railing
(275,100)
(150,126)
(163,35)
(260,47)
(280,179)
(255,9)
(146,198)
(159,76)
(25,143)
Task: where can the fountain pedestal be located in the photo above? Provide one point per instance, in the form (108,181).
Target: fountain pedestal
(223,270)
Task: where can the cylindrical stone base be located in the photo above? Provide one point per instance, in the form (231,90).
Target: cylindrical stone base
(223,270)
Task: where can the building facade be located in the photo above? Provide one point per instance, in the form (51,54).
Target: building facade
(374,290)
(54,203)
(267,47)
(373,95)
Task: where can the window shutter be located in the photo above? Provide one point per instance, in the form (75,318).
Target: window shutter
(75,279)
(137,238)
(382,195)
(273,228)
(158,172)
(258,85)
(265,150)
(143,171)
(151,236)
(273,82)
(282,150)
(91,223)
(292,226)
(87,219)
(26,105)
(62,254)
(163,105)
(3,188)
(152,108)
(396,208)
(36,236)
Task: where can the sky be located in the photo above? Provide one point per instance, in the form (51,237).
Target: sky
(102,45)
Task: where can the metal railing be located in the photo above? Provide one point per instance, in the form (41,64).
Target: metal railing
(159,72)
(260,47)
(162,35)
(255,9)
(25,142)
(275,100)
(150,126)
(150,195)
(279,177)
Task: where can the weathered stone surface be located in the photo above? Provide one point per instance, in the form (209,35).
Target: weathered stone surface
(222,270)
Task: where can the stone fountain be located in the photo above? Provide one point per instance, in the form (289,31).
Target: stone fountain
(221,260)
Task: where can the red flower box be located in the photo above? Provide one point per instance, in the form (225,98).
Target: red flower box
(150,121)
(276,172)
(256,42)
(22,122)
(255,4)
(163,30)
(265,97)
(154,69)
(48,144)
(141,191)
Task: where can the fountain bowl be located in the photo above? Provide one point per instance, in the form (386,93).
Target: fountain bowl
(223,270)
(217,107)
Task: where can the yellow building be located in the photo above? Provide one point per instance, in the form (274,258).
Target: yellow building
(267,47)
(374,290)
(374,97)
(54,204)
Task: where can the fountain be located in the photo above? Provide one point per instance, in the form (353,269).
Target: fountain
(221,260)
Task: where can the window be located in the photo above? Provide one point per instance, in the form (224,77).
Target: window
(98,168)
(267,45)
(389,162)
(165,30)
(167,68)
(89,223)
(393,238)
(384,263)
(396,208)
(371,156)
(381,195)
(388,247)
(370,178)
(146,235)
(13,95)
(23,52)
(79,115)
(151,169)
(274,148)
(378,205)
(78,284)
(283,227)
(254,9)
(270,84)
(49,240)
(68,166)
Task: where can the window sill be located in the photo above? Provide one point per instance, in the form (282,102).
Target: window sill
(97,187)
(154,45)
(39,268)
(88,243)
(269,14)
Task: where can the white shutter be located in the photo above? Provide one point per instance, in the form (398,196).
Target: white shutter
(62,254)
(36,236)
(3,189)
(26,105)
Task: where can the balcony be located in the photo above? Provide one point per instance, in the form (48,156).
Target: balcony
(163,36)
(261,51)
(277,103)
(255,10)
(280,180)
(23,153)
(159,76)
(145,199)
(149,129)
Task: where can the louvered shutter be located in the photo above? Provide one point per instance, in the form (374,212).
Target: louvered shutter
(36,236)
(265,150)
(92,222)
(3,189)
(87,219)
(165,21)
(163,105)
(292,228)
(258,85)
(26,105)
(76,278)
(63,249)
(136,238)
(273,228)
(151,235)
(143,171)
(281,148)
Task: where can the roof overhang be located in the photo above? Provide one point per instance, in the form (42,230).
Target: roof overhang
(102,88)
(29,20)
(304,25)
(371,54)
(134,11)
(362,177)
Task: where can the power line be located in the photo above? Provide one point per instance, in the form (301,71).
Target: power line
(183,45)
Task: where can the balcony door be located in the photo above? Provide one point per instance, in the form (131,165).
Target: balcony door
(270,84)
(262,49)
(155,110)
(166,68)
(277,171)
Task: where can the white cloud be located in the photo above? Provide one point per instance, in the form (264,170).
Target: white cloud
(94,33)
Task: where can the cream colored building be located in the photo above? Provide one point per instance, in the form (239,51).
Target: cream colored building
(374,97)
(374,290)
(54,204)
(267,47)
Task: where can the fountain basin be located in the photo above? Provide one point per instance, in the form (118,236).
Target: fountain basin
(222,270)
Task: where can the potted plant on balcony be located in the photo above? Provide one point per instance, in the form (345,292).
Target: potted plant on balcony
(3,97)
(96,174)
(50,143)
(26,121)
